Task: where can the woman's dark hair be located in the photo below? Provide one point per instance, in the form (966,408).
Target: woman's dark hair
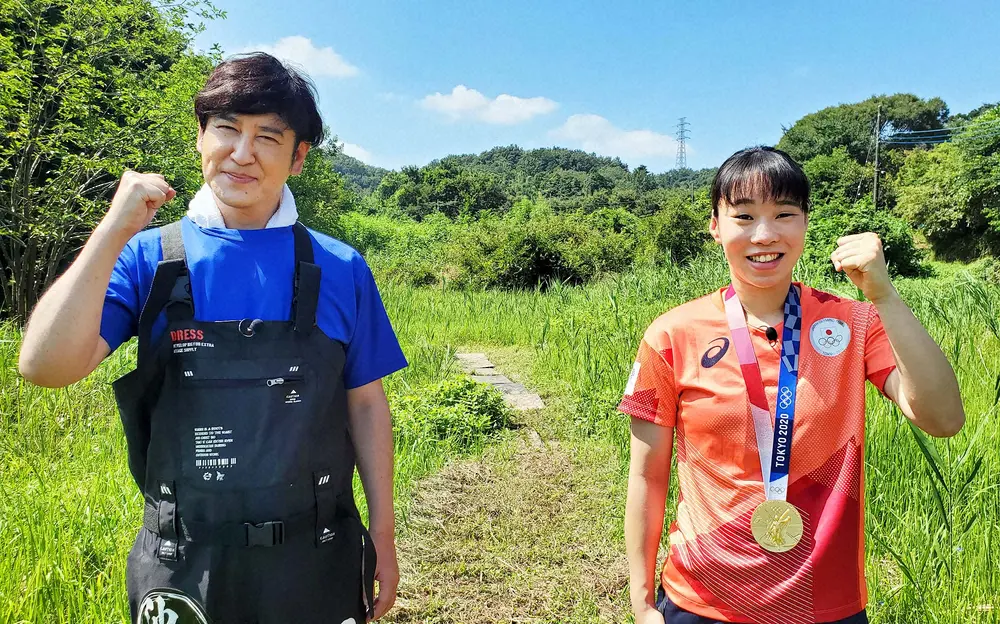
(258,84)
(762,173)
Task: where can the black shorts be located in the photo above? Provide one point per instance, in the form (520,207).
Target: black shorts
(672,614)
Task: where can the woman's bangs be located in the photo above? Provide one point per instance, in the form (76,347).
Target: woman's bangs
(762,175)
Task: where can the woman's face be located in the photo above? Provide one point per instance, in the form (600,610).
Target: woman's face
(762,240)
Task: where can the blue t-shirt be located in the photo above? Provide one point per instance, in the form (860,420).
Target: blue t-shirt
(237,274)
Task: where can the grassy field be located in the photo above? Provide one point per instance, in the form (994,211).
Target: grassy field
(68,510)
(933,506)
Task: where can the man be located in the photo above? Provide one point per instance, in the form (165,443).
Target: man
(261,351)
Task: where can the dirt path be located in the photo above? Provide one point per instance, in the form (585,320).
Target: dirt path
(529,532)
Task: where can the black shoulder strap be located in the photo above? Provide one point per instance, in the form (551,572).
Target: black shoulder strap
(171,288)
(303,243)
(305,296)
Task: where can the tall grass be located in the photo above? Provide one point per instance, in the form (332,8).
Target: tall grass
(933,506)
(68,510)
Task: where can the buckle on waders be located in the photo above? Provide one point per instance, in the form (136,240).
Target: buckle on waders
(270,533)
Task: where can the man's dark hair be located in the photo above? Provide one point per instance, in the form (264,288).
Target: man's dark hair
(258,84)
(762,173)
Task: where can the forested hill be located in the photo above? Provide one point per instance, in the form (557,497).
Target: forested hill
(508,217)
(530,170)
(361,176)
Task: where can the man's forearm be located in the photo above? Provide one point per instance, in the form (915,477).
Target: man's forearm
(371,432)
(927,382)
(63,334)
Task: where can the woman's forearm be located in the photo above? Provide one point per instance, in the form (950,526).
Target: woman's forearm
(643,529)
(928,389)
(649,476)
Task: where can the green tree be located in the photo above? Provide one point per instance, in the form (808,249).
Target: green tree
(90,88)
(935,198)
(829,221)
(838,176)
(363,178)
(446,187)
(962,118)
(852,126)
(979,144)
(322,194)
(952,192)
(563,184)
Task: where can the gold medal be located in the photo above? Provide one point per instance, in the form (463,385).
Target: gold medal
(776,525)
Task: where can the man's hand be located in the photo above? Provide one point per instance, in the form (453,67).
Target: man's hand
(860,257)
(386,573)
(135,203)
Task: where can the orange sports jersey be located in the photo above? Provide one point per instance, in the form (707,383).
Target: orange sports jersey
(687,376)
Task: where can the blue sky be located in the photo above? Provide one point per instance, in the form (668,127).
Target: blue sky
(407,82)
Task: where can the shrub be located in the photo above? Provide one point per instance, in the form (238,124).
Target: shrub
(679,231)
(400,249)
(458,412)
(830,221)
(528,252)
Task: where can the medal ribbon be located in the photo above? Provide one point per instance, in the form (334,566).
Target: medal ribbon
(774,444)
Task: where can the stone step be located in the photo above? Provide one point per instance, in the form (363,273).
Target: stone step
(515,395)
(471,361)
(491,379)
(523,402)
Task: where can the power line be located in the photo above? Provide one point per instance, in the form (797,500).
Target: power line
(972,124)
(938,140)
(972,130)
(682,137)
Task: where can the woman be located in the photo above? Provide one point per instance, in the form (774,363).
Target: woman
(763,382)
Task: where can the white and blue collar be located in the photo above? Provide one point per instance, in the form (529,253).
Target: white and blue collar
(205,212)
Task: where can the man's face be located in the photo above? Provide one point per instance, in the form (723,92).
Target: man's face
(246,159)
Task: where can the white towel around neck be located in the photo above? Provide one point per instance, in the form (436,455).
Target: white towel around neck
(205,212)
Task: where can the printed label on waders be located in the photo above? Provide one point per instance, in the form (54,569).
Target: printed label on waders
(189,340)
(211,446)
(170,606)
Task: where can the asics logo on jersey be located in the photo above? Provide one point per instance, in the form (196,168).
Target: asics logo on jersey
(715,352)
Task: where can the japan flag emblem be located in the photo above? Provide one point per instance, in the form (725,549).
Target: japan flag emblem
(830,336)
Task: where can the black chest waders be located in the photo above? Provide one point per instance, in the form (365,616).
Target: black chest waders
(237,436)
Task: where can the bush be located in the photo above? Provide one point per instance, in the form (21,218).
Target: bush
(399,249)
(530,246)
(934,196)
(830,221)
(457,412)
(528,252)
(679,231)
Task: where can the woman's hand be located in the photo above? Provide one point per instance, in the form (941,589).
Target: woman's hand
(860,257)
(650,616)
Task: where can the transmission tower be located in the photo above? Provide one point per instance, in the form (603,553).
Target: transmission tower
(682,136)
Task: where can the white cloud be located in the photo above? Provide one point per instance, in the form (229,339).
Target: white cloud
(317,62)
(356,151)
(594,133)
(466,103)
